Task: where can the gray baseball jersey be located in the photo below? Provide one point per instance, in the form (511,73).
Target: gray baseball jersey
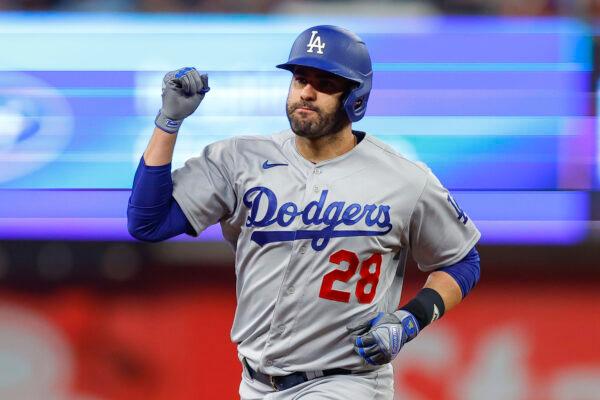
(317,245)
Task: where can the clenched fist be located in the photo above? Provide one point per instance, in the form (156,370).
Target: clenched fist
(378,337)
(182,93)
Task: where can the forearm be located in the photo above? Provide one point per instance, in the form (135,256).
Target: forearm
(446,286)
(160,148)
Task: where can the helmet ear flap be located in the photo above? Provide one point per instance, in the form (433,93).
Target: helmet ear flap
(355,103)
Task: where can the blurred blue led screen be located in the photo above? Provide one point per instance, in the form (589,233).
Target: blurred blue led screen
(497,107)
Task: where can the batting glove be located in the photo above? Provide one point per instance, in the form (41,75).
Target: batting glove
(182,92)
(378,337)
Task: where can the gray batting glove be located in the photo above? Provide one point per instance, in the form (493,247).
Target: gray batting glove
(378,337)
(182,92)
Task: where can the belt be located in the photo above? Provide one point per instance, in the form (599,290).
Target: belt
(284,382)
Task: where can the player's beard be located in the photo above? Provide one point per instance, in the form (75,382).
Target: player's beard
(325,123)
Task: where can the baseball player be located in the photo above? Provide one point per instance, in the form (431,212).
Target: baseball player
(321,218)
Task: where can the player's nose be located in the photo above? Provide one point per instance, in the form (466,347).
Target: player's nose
(308,92)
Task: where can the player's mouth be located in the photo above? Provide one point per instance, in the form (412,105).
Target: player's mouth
(306,109)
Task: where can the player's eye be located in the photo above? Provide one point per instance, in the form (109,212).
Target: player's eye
(326,84)
(329,86)
(301,80)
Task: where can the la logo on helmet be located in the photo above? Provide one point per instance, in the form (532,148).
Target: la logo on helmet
(315,41)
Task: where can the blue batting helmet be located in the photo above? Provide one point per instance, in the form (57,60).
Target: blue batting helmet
(340,52)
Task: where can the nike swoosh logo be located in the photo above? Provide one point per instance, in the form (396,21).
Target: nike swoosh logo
(266,165)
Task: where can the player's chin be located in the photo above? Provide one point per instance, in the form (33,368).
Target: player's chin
(304,128)
(302,121)
(303,116)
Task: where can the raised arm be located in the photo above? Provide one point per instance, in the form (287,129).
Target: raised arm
(152,212)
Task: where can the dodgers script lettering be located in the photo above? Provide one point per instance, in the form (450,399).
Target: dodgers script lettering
(264,211)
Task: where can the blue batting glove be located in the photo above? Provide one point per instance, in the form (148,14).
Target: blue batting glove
(378,337)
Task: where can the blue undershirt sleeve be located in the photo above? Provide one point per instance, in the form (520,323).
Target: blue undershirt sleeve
(466,272)
(152,212)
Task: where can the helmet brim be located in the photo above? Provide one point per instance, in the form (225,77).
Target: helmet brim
(321,64)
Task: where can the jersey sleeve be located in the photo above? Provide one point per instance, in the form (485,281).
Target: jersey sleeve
(441,233)
(203,187)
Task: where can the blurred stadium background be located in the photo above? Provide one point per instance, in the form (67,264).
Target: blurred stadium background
(499,97)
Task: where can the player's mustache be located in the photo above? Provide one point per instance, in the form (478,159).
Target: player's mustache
(306,105)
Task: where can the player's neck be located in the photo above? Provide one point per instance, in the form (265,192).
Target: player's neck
(326,147)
